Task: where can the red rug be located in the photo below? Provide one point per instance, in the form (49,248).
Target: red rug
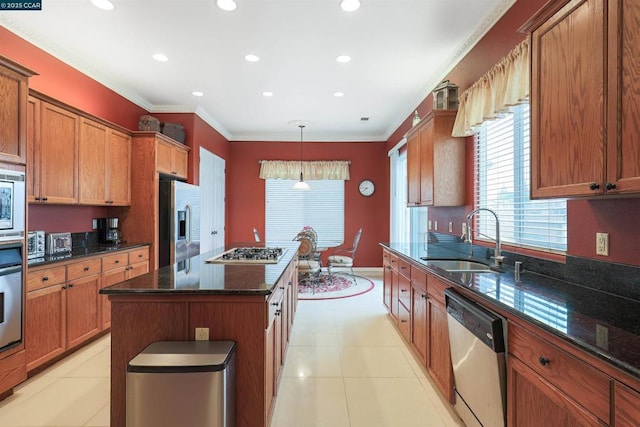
(342,286)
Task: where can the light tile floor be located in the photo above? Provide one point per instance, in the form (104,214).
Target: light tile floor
(346,366)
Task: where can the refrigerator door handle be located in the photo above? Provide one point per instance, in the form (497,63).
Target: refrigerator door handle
(188,228)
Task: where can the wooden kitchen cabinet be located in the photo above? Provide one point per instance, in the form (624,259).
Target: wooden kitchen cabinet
(435,162)
(171,158)
(438,352)
(83,314)
(419,312)
(45,331)
(13,104)
(387,278)
(104,165)
(627,406)
(584,99)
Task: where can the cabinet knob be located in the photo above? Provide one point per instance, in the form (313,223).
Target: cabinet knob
(64,287)
(594,186)
(404,290)
(403,321)
(544,361)
(45,278)
(71,285)
(140,255)
(38,198)
(609,186)
(86,269)
(117,261)
(424,296)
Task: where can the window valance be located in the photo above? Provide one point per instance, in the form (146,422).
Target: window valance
(506,84)
(290,169)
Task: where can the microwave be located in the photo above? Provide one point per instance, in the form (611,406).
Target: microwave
(58,243)
(35,244)
(12,205)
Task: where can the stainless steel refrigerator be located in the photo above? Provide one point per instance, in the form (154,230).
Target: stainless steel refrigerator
(179,222)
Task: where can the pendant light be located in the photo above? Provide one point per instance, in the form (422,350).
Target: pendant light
(301,185)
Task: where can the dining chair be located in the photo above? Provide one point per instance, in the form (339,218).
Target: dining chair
(309,267)
(343,257)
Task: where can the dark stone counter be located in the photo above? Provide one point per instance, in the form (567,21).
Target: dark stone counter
(602,323)
(196,276)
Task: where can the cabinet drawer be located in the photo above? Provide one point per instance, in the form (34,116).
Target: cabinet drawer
(138,255)
(404,322)
(404,291)
(115,261)
(84,268)
(274,305)
(393,261)
(404,268)
(42,278)
(584,384)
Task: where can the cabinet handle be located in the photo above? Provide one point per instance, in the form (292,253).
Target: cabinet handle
(38,198)
(277,313)
(424,296)
(290,283)
(404,290)
(388,267)
(45,278)
(275,304)
(71,285)
(87,269)
(610,186)
(117,261)
(140,255)
(403,321)
(544,361)
(282,287)
(594,186)
(64,287)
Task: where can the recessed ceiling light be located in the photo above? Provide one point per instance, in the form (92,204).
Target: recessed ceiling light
(343,58)
(160,57)
(350,5)
(197,93)
(103,4)
(252,58)
(267,93)
(338,94)
(227,5)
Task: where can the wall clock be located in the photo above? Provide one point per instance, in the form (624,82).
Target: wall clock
(366,187)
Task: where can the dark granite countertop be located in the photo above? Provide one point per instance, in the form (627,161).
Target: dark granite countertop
(601,323)
(83,252)
(196,276)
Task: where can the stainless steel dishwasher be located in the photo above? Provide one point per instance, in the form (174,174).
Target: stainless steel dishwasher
(477,343)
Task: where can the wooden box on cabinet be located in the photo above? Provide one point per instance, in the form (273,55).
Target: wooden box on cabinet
(13,104)
(435,162)
(584,99)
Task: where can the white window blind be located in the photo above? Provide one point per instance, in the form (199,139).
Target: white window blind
(502,176)
(287,210)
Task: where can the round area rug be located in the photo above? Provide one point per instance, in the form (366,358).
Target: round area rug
(343,286)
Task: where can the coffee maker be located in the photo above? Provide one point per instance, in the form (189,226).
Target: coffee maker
(108,231)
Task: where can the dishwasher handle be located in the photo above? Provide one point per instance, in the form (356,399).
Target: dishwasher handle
(485,325)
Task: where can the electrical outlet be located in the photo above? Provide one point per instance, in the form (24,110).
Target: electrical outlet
(464,230)
(602,336)
(95,224)
(602,244)
(450,227)
(429,225)
(202,334)
(435,225)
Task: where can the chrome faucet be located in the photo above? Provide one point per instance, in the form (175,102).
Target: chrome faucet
(497,255)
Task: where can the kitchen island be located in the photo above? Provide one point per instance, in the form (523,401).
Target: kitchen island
(252,304)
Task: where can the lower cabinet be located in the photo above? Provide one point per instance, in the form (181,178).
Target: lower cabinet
(83,314)
(627,406)
(438,352)
(46,319)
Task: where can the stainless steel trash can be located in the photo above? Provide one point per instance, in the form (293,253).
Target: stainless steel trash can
(182,383)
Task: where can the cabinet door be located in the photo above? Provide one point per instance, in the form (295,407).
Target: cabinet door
(92,163)
(413,170)
(386,296)
(426,163)
(623,140)
(109,278)
(33,149)
(83,315)
(163,157)
(419,322)
(568,115)
(13,104)
(119,168)
(439,356)
(269,368)
(179,162)
(58,155)
(395,291)
(627,406)
(45,332)
(533,402)
(138,269)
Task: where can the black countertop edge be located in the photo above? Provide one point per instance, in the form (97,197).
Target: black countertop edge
(469,281)
(79,253)
(185,292)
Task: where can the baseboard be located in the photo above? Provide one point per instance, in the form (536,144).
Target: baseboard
(362,271)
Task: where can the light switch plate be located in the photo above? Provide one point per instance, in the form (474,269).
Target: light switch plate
(429,225)
(450,227)
(602,244)
(435,225)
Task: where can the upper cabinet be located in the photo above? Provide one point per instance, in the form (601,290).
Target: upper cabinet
(171,157)
(13,107)
(435,162)
(585,98)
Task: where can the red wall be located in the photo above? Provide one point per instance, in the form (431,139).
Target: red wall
(246,198)
(58,218)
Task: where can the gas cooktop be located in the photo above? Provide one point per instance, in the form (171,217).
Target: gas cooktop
(249,255)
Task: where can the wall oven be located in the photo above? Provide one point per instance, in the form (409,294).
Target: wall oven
(12,205)
(10,295)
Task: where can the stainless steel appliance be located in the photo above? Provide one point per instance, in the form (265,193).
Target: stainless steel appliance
(10,295)
(58,243)
(477,343)
(179,221)
(249,255)
(12,205)
(108,231)
(35,244)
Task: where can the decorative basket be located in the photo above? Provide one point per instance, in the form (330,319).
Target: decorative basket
(149,123)
(174,130)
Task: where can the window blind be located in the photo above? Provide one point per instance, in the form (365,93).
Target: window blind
(287,210)
(502,176)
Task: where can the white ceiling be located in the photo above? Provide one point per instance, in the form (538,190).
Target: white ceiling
(400,49)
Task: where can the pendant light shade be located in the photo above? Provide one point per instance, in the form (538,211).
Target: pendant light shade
(301,185)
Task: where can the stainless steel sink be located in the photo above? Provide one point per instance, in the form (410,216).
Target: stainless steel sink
(459,266)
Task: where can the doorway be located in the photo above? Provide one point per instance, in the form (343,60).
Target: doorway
(212,201)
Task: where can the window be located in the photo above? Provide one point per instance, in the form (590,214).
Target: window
(287,210)
(502,184)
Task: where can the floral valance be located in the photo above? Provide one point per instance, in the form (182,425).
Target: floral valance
(504,85)
(288,169)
